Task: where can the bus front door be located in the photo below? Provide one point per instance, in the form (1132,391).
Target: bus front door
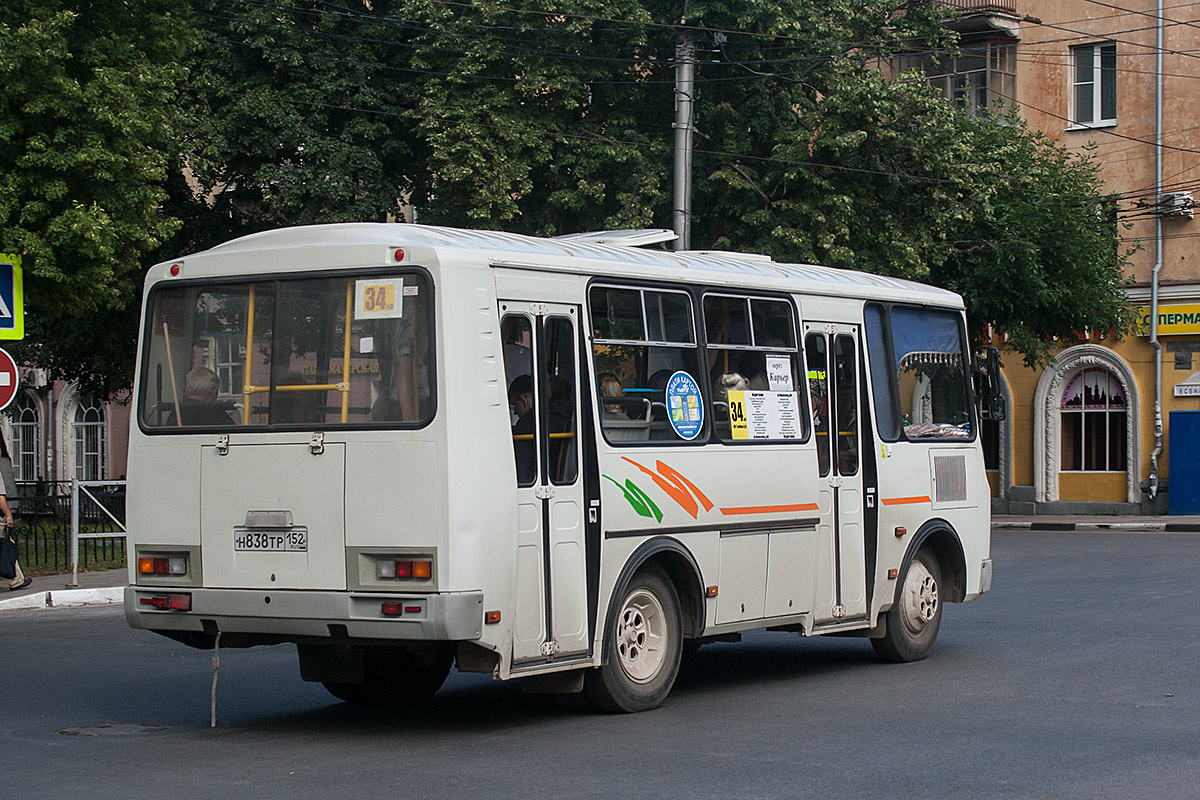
(541,343)
(831,350)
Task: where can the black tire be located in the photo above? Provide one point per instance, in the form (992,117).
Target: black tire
(397,677)
(643,643)
(347,692)
(912,623)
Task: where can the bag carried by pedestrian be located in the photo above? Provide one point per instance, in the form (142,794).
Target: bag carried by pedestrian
(8,557)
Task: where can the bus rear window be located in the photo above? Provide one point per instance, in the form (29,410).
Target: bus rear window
(279,353)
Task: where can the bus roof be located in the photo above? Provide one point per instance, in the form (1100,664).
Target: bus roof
(513,249)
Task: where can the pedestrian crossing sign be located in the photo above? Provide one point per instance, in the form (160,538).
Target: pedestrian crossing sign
(12,298)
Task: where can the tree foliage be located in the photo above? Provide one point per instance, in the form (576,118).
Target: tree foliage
(551,117)
(557,117)
(84,141)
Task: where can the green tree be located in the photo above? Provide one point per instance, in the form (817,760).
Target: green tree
(85,132)
(557,117)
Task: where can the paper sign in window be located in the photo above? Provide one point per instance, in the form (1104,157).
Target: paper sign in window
(379,298)
(764,415)
(779,374)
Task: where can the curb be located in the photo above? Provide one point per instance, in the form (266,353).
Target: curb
(65,598)
(1126,527)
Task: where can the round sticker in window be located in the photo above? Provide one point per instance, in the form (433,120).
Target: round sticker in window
(684,406)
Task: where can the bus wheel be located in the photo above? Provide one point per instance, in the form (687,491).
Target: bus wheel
(913,622)
(642,646)
(397,677)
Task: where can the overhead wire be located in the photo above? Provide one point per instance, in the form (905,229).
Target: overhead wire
(643,79)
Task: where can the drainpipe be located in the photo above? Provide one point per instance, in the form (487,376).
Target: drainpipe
(1158,253)
(51,428)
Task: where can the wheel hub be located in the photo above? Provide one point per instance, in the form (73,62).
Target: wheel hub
(921,601)
(641,630)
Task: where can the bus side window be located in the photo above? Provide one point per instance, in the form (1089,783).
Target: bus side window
(516,331)
(561,428)
(817,360)
(846,376)
(640,338)
(754,363)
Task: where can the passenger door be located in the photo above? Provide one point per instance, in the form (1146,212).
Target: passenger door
(542,344)
(831,350)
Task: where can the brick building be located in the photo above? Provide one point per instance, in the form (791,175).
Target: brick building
(1120,77)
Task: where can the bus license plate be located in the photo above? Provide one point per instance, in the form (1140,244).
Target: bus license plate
(270,541)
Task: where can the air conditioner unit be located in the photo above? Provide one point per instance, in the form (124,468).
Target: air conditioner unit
(1175,204)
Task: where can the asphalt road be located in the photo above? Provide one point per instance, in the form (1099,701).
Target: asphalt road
(1076,677)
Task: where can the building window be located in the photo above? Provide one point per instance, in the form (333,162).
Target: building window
(1094,84)
(90,439)
(1095,420)
(25,447)
(228,360)
(980,78)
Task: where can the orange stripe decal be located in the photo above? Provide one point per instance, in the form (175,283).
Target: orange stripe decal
(681,481)
(768,509)
(674,490)
(902,501)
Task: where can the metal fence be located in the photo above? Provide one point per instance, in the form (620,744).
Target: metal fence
(42,513)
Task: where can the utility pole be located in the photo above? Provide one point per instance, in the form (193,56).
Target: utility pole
(685,78)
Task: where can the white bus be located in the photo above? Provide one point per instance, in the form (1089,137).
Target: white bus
(568,460)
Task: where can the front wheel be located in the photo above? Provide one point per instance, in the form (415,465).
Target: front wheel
(642,646)
(912,623)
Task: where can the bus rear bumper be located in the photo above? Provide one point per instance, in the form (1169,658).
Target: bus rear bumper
(296,615)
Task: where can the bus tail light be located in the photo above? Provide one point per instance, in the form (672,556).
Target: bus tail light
(420,569)
(175,565)
(173,602)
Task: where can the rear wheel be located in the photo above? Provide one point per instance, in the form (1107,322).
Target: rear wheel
(642,646)
(912,623)
(397,677)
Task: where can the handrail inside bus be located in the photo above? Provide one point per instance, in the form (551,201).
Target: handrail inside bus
(343,386)
(246,386)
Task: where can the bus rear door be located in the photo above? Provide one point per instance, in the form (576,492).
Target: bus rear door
(551,585)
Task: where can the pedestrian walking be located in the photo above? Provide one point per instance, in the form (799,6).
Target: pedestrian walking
(9,487)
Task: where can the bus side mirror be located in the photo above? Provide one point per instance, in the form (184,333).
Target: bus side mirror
(991,397)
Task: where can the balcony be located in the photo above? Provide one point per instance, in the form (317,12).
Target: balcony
(985,17)
(982,6)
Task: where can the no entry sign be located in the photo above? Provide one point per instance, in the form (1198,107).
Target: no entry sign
(8,379)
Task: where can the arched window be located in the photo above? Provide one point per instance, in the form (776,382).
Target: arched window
(91,444)
(1095,423)
(26,445)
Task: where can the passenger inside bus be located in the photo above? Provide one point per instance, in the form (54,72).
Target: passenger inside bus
(520,398)
(610,388)
(200,405)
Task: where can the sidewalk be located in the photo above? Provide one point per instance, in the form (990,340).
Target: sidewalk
(1094,522)
(97,588)
(50,591)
